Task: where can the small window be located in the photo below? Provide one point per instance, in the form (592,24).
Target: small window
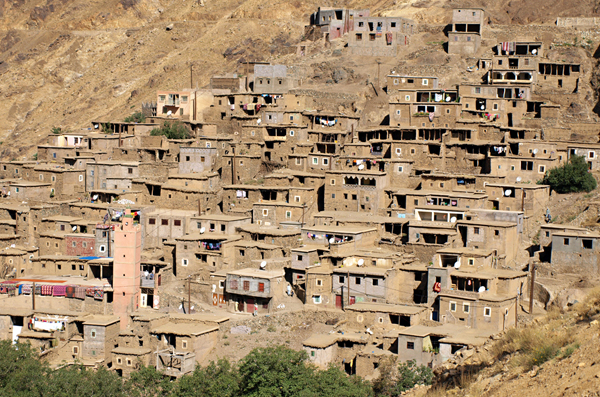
(316,299)
(375,282)
(471,262)
(288,214)
(164,222)
(487,311)
(425,82)
(325,161)
(119,360)
(265,212)
(452,306)
(242,253)
(542,169)
(177,222)
(129,362)
(292,133)
(475,230)
(587,244)
(400,168)
(184,262)
(319,282)
(315,161)
(410,345)
(466,307)
(93,333)
(184,344)
(102,248)
(261,287)
(342,279)
(332,181)
(566,241)
(496,232)
(130,170)
(357,280)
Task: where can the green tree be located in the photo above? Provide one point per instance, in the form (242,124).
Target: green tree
(275,372)
(56,130)
(332,382)
(137,117)
(148,382)
(392,380)
(21,372)
(77,380)
(571,177)
(220,379)
(172,130)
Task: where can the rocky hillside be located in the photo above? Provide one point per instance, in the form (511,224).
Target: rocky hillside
(555,355)
(66,62)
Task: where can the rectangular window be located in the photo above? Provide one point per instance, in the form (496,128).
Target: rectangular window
(341,279)
(466,307)
(261,287)
(317,299)
(164,222)
(246,285)
(410,345)
(325,161)
(357,280)
(475,230)
(375,282)
(177,222)
(566,241)
(452,306)
(587,244)
(315,161)
(288,214)
(319,282)
(265,212)
(425,82)
(487,312)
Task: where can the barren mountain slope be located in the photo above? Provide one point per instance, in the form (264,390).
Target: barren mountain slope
(64,63)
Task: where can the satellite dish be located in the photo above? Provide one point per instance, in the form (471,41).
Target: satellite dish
(169,113)
(457,265)
(453,219)
(95,197)
(74,228)
(507,192)
(534,51)
(362,166)
(202,230)
(361,262)
(482,107)
(535,151)
(331,240)
(263,264)
(482,289)
(518,179)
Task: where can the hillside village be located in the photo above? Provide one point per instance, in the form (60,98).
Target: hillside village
(413,221)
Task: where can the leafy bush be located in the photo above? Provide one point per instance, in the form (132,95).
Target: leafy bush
(137,117)
(572,177)
(392,380)
(56,130)
(172,130)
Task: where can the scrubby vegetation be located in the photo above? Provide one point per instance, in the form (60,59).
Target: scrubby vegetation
(137,117)
(572,177)
(394,379)
(172,130)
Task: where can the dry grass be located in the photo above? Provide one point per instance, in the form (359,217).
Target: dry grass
(537,343)
(590,306)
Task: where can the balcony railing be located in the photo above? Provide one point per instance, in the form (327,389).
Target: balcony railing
(147,281)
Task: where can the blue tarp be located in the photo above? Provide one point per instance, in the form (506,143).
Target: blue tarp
(89,258)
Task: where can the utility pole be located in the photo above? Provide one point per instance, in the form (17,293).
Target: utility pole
(531,288)
(378,74)
(522,199)
(303,208)
(342,297)
(517,310)
(191,76)
(33,297)
(189,294)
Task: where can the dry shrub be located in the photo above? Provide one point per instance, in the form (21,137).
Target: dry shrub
(535,344)
(590,306)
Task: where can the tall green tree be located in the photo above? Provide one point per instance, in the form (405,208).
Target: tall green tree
(275,372)
(137,117)
(148,382)
(220,379)
(21,372)
(571,177)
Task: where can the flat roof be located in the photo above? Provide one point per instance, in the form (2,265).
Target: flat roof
(253,272)
(339,229)
(186,329)
(320,341)
(484,222)
(132,351)
(100,320)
